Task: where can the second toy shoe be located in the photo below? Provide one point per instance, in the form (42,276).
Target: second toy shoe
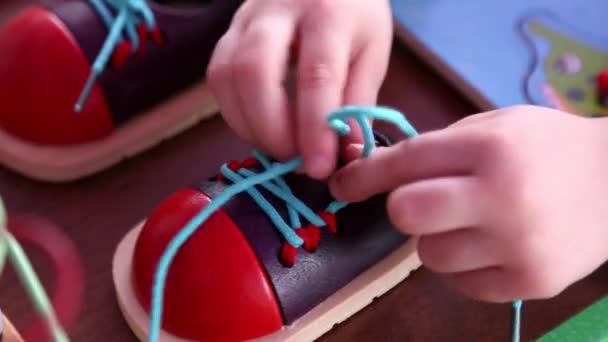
(84,84)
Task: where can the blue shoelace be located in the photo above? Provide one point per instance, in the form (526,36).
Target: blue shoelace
(515,325)
(12,251)
(123,19)
(245,180)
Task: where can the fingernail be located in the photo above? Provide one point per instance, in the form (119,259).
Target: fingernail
(351,152)
(355,149)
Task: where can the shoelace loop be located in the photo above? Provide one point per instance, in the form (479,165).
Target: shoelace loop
(130,23)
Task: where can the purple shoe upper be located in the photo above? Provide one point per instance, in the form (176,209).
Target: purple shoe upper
(365,236)
(162,71)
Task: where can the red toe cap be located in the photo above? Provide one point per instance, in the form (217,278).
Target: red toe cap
(216,289)
(42,71)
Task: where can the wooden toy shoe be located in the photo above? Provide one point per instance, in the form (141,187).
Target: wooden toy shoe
(246,273)
(85,84)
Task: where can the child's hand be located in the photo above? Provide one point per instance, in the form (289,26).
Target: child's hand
(509,204)
(342,49)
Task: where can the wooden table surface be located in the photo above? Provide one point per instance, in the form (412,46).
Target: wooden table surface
(98,211)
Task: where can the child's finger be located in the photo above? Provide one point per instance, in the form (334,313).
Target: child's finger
(437,205)
(461,250)
(219,76)
(368,67)
(322,68)
(436,154)
(480,118)
(366,74)
(259,71)
(493,284)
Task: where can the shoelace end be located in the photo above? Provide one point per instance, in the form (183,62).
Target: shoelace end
(86,91)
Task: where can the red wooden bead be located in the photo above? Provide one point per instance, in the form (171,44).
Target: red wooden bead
(602,82)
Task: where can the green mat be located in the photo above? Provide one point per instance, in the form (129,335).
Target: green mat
(589,325)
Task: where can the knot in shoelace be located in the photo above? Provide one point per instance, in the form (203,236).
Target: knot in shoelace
(244,179)
(129,23)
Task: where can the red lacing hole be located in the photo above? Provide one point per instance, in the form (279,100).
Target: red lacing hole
(330,220)
(157,36)
(250,162)
(314,237)
(311,236)
(234,165)
(121,54)
(123,50)
(287,256)
(142,32)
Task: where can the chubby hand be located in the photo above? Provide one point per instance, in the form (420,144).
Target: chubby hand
(510,204)
(341,49)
